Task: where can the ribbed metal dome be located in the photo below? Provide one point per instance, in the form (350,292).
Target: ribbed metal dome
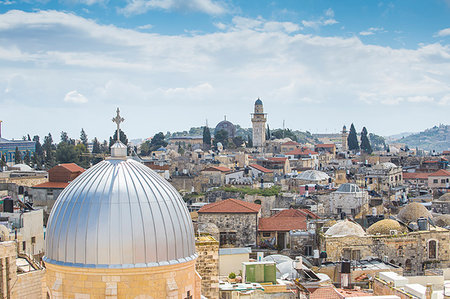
(119,214)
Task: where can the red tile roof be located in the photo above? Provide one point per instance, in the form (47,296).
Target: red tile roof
(72,167)
(52,185)
(415,175)
(431,161)
(230,205)
(446,152)
(324,293)
(301,152)
(440,172)
(260,168)
(291,143)
(277,159)
(217,168)
(325,145)
(286,220)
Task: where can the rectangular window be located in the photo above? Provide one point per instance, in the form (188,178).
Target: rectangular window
(356,255)
(347,254)
(435,181)
(24,245)
(339,210)
(308,250)
(49,192)
(266,234)
(227,238)
(443,181)
(33,240)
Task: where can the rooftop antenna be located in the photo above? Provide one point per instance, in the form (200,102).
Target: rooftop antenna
(118,119)
(206,122)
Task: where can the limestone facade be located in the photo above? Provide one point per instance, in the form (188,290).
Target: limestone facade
(176,281)
(259,125)
(207,265)
(414,252)
(238,228)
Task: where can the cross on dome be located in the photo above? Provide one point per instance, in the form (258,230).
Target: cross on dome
(118,119)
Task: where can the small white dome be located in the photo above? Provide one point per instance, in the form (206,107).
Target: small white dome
(345,228)
(313,175)
(385,166)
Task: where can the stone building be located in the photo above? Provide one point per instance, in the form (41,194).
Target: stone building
(20,276)
(215,175)
(442,204)
(259,119)
(120,230)
(45,194)
(381,177)
(439,179)
(226,126)
(414,251)
(207,265)
(237,221)
(348,199)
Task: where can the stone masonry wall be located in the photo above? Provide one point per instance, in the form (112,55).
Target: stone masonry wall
(207,265)
(245,225)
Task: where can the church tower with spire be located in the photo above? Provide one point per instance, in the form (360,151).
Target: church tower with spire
(259,119)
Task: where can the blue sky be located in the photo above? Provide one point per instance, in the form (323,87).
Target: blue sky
(171,64)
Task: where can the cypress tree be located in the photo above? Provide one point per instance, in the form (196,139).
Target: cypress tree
(206,137)
(365,144)
(268,133)
(17,156)
(352,139)
(84,138)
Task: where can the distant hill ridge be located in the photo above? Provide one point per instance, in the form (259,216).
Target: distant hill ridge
(436,138)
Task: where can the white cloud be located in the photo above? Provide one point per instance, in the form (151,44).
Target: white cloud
(329,13)
(145,27)
(211,7)
(75,97)
(191,77)
(371,31)
(444,32)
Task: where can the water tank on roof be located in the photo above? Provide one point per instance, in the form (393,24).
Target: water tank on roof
(8,205)
(422,223)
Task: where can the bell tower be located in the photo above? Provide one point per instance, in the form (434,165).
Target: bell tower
(259,119)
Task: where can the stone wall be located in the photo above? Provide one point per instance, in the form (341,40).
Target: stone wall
(245,225)
(30,285)
(171,281)
(207,265)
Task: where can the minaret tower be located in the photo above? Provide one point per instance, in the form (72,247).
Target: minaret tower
(259,119)
(344,139)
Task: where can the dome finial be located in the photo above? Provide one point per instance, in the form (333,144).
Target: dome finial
(118,149)
(118,119)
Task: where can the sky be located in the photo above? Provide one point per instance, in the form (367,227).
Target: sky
(174,64)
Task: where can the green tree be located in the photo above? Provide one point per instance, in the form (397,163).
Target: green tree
(377,142)
(2,161)
(352,139)
(365,143)
(65,153)
(82,159)
(249,141)
(96,152)
(284,133)
(17,156)
(238,141)
(64,137)
(49,149)
(27,158)
(222,137)
(206,138)
(84,138)
(145,148)
(38,155)
(122,137)
(180,149)
(37,161)
(158,141)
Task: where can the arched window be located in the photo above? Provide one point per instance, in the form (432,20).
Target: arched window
(408,265)
(258,202)
(432,249)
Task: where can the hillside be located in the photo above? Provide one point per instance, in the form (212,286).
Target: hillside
(436,138)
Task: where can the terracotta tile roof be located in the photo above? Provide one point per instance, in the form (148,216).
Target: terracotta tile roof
(415,175)
(440,172)
(431,161)
(325,145)
(52,185)
(72,167)
(301,152)
(286,220)
(291,143)
(277,159)
(352,293)
(230,205)
(446,152)
(157,167)
(260,168)
(324,293)
(217,168)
